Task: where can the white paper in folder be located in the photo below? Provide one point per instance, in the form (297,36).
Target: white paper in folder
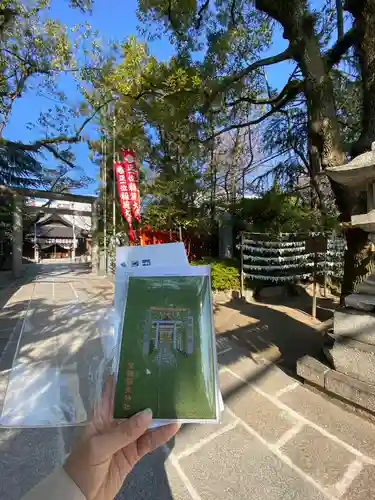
(167,254)
(128,258)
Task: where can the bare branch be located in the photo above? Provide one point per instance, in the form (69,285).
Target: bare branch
(56,181)
(48,143)
(12,96)
(96,111)
(14,54)
(289,92)
(300,188)
(236,126)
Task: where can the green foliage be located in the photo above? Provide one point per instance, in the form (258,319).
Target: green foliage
(35,50)
(348,97)
(277,211)
(154,102)
(231,37)
(19,168)
(225,274)
(172,200)
(170,112)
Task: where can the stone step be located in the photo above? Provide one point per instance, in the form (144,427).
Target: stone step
(353,358)
(350,323)
(367,287)
(344,386)
(360,301)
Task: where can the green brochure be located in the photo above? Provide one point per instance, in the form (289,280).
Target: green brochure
(167,359)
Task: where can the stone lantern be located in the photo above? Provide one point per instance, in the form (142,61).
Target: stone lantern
(353,350)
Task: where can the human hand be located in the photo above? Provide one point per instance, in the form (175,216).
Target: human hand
(110,448)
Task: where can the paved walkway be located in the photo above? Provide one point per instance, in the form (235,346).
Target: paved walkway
(277,440)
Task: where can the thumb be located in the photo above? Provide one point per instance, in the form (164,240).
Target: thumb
(103,446)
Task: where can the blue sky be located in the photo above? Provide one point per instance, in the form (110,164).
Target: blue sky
(115,20)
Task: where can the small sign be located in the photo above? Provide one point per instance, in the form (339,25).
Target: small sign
(316,244)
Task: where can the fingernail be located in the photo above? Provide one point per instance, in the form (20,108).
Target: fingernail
(144,416)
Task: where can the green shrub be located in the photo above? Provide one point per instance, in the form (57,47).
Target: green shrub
(225,274)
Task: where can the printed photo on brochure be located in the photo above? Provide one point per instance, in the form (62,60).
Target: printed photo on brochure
(167,349)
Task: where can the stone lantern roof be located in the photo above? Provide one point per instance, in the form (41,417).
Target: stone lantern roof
(358,173)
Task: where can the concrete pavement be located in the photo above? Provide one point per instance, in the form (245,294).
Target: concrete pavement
(277,439)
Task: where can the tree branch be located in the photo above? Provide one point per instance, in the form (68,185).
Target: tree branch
(340,19)
(272,100)
(79,131)
(230,80)
(56,181)
(291,94)
(12,96)
(171,21)
(233,13)
(246,124)
(201,11)
(49,143)
(58,155)
(334,55)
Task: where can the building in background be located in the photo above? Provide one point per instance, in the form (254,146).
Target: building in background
(59,236)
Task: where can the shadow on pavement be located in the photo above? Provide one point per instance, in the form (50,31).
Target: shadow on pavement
(63,334)
(27,455)
(302,301)
(266,331)
(148,480)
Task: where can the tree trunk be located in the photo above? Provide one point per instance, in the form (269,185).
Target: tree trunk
(358,261)
(325,137)
(299,28)
(364,19)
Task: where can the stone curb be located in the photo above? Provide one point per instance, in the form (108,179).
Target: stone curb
(225,295)
(336,383)
(312,370)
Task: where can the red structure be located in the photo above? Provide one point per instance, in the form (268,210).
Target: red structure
(149,236)
(196,246)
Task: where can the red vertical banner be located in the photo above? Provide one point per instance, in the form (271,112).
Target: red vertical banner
(127,176)
(132,179)
(124,195)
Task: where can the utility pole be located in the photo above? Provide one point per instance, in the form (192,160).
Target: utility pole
(35,250)
(74,236)
(104,192)
(114,177)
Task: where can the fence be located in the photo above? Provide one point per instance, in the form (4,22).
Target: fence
(284,259)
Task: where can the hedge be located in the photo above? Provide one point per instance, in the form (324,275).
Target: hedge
(225,274)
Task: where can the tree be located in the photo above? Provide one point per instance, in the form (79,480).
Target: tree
(224,30)
(276,212)
(35,50)
(151,102)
